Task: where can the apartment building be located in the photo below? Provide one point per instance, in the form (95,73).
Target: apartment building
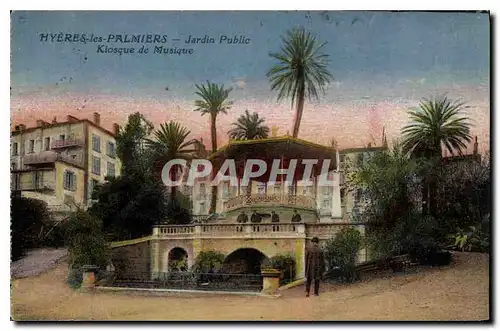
(61,162)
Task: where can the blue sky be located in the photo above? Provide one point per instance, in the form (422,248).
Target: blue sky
(376,58)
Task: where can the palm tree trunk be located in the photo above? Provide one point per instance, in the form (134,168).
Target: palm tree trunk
(213,129)
(300,109)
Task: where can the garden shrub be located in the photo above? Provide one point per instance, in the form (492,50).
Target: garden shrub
(208,261)
(86,244)
(342,252)
(283,262)
(28,217)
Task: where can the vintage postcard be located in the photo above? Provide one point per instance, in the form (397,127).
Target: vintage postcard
(250,166)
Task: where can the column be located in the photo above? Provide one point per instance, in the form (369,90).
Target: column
(336,201)
(300,252)
(155,259)
(197,246)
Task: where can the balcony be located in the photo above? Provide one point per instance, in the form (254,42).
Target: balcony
(271,230)
(274,200)
(67,143)
(51,157)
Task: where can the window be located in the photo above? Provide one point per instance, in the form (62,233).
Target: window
(13,166)
(36,180)
(327,190)
(261,189)
(111,169)
(202,208)
(225,190)
(358,195)
(326,203)
(110,149)
(96,143)
(96,165)
(46,145)
(15,150)
(69,180)
(31,146)
(202,189)
(62,137)
(92,185)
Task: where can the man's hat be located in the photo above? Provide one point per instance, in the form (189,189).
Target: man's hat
(315,240)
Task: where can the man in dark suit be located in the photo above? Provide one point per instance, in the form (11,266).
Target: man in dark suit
(315,266)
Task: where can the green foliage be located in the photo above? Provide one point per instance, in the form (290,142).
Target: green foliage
(56,234)
(131,148)
(283,262)
(248,127)
(207,260)
(129,206)
(301,70)
(474,239)
(28,218)
(342,251)
(86,242)
(437,123)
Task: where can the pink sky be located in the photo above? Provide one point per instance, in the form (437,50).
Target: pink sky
(352,124)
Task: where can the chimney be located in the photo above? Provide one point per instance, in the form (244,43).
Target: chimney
(475,146)
(116,129)
(54,121)
(97,119)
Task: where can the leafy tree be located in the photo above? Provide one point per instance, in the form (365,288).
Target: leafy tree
(300,72)
(131,145)
(342,250)
(86,245)
(28,218)
(248,127)
(437,124)
(214,101)
(207,260)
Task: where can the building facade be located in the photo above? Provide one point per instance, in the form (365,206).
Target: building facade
(61,162)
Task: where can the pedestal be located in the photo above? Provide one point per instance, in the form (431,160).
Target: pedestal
(271,281)
(89,277)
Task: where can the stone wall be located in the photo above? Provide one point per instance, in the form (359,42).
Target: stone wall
(131,261)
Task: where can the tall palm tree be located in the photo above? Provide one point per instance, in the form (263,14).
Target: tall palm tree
(171,142)
(437,124)
(248,127)
(301,71)
(214,100)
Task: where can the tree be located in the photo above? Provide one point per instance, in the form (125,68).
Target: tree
(169,143)
(248,127)
(301,71)
(27,220)
(214,100)
(131,145)
(87,245)
(438,123)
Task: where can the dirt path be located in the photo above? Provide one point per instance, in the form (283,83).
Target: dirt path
(459,292)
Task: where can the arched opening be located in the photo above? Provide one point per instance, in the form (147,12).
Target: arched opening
(243,261)
(177,260)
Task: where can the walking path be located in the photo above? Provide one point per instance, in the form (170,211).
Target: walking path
(36,262)
(458,292)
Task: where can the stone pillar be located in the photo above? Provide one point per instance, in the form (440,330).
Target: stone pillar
(336,201)
(89,277)
(197,246)
(155,259)
(300,258)
(271,281)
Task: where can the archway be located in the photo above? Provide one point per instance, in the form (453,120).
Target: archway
(243,261)
(177,260)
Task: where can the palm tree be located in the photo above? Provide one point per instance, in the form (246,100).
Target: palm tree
(170,142)
(248,127)
(214,100)
(301,71)
(435,125)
